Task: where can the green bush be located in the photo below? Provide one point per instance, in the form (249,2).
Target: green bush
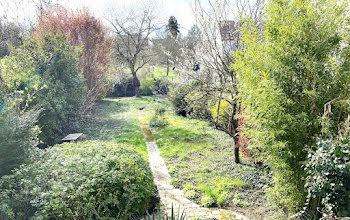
(177,98)
(18,136)
(191,101)
(62,98)
(86,180)
(207,201)
(147,86)
(123,88)
(44,73)
(328,181)
(161,85)
(198,104)
(287,75)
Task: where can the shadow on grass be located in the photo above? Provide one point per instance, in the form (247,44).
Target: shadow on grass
(113,122)
(115,105)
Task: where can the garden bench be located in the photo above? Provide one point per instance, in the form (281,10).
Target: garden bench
(72,137)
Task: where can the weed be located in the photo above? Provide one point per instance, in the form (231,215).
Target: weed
(173,215)
(207,201)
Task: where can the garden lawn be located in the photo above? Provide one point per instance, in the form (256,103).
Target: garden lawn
(200,160)
(116,120)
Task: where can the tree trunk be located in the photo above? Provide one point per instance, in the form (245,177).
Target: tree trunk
(136,84)
(237,160)
(137,91)
(167,66)
(235,130)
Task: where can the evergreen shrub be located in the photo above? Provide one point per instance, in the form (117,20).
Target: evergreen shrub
(85,180)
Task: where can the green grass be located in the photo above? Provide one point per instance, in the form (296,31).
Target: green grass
(200,160)
(116,119)
(161,71)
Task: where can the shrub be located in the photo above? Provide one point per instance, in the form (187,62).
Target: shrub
(286,76)
(147,86)
(83,29)
(18,136)
(328,181)
(178,94)
(161,85)
(123,88)
(44,73)
(207,201)
(63,95)
(86,180)
(189,100)
(156,121)
(198,104)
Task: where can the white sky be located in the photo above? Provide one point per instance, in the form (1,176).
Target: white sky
(181,9)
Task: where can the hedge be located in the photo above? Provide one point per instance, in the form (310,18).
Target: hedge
(86,180)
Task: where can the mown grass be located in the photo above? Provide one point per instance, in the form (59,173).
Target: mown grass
(200,160)
(116,120)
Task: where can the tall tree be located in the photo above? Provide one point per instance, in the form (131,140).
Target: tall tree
(173,27)
(291,78)
(171,46)
(86,30)
(217,89)
(132,31)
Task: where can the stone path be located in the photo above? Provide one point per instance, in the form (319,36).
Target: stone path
(170,196)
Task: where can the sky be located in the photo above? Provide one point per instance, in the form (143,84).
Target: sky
(181,9)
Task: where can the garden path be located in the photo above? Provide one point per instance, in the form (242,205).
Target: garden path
(170,196)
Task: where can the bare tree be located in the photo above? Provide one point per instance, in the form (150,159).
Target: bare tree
(10,35)
(24,12)
(168,51)
(132,32)
(220,36)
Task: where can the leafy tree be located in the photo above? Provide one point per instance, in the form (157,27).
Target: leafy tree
(44,73)
(287,75)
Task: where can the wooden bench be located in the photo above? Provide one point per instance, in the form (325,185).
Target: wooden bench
(72,137)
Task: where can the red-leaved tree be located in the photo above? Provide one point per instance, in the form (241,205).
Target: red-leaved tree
(82,29)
